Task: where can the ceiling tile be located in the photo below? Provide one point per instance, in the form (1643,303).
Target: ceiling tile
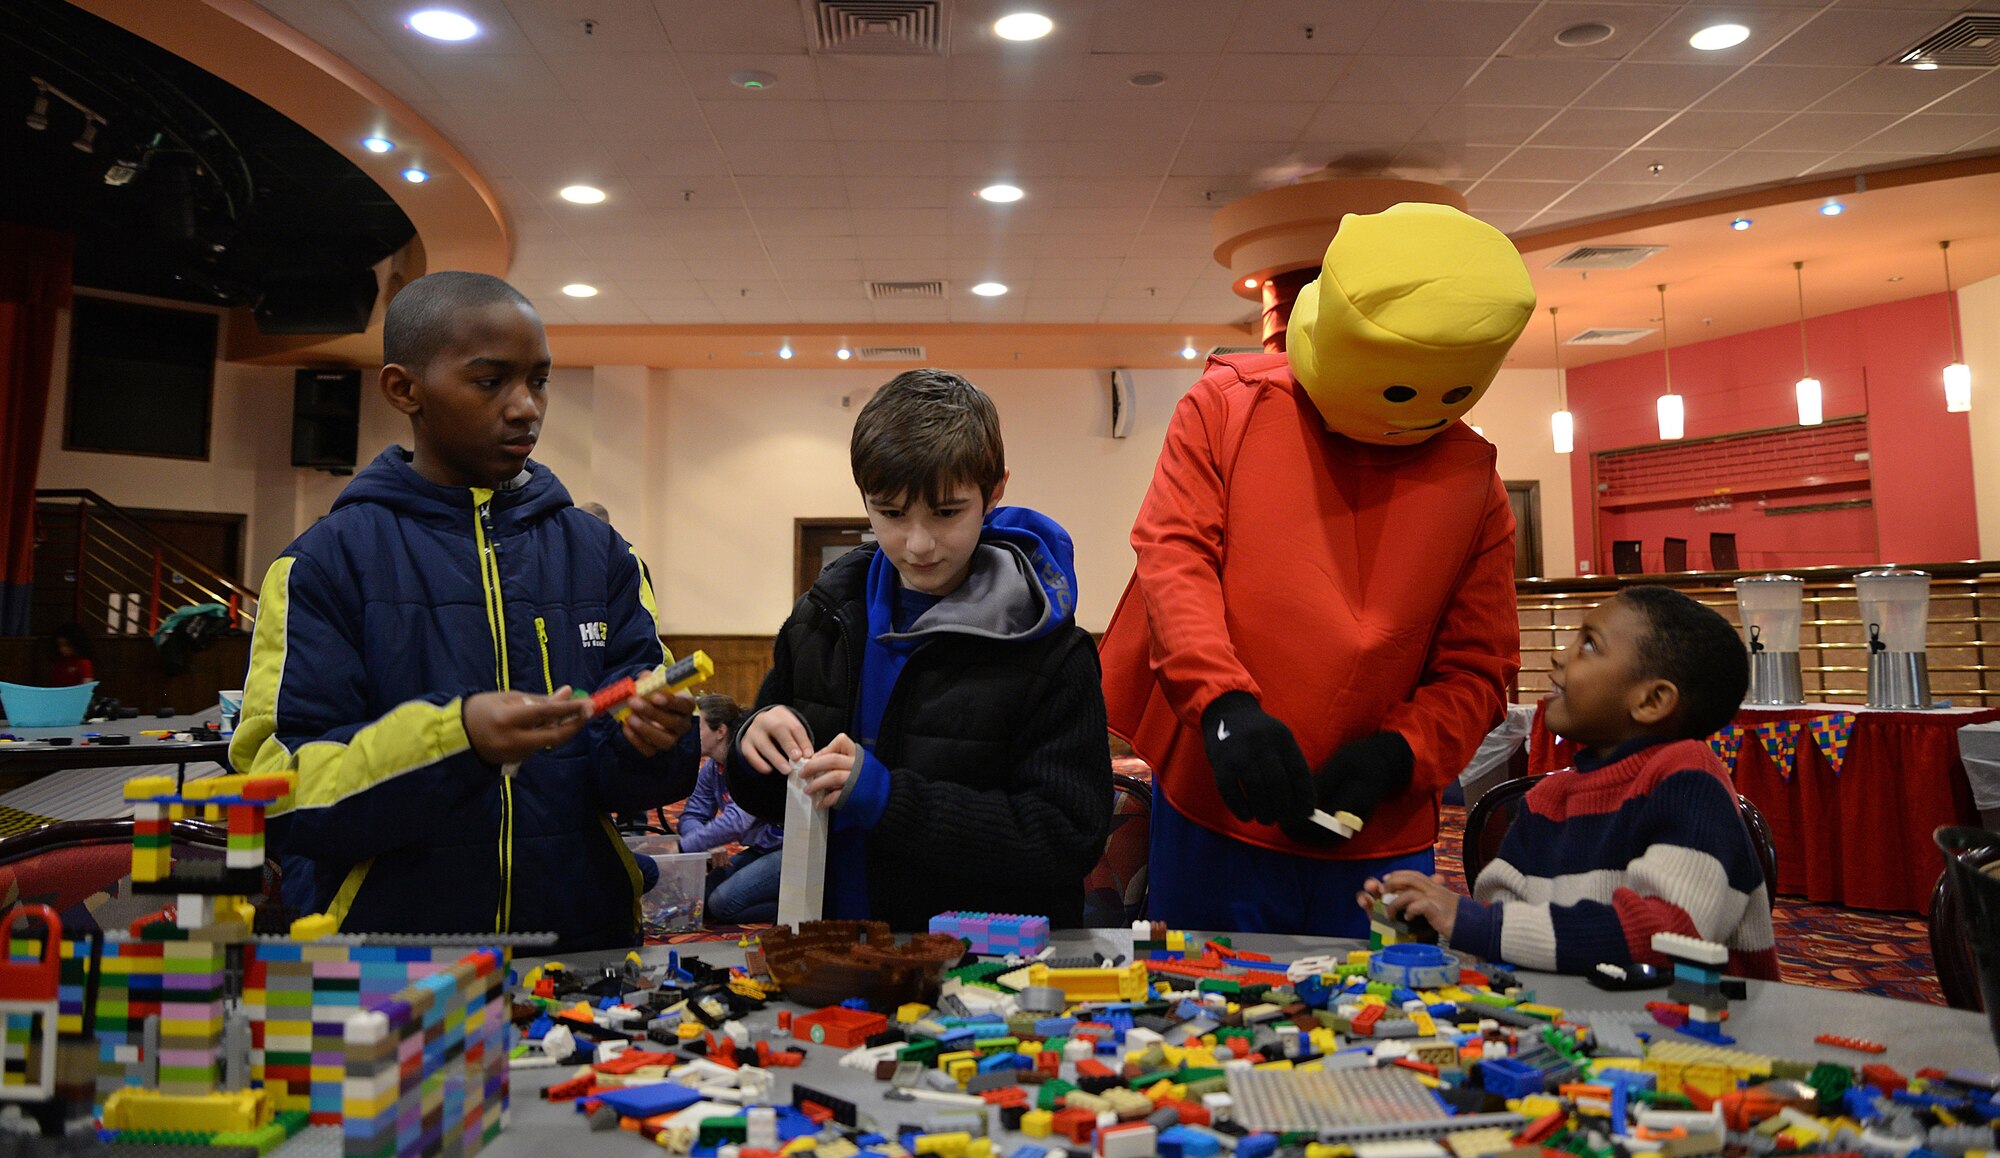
(1214,158)
(1074,287)
(883,78)
(631,249)
(1712,129)
(478,78)
(1104,268)
(666,119)
(1597,197)
(785,249)
(664,284)
(1981,96)
(1503,221)
(1640,85)
(1630,24)
(738,26)
(708,75)
(685,193)
(1855,36)
(1077,311)
(616,26)
(905,192)
(1008,120)
(1094,192)
(888,120)
(1892,90)
(1929,133)
(794,193)
(836,269)
(1129,120)
(1676,165)
(1532,82)
(1419,80)
(1108,76)
(782,158)
(1746,167)
(1451,160)
(1205,192)
(667,158)
(1535,163)
(818,222)
(571,160)
(703,273)
(767,120)
(1276,78)
(693,312)
(692,218)
(1446,27)
(553,120)
(840,290)
(1101,220)
(1160,25)
(893,247)
(1786,88)
(1822,132)
(879,159)
(1359,124)
(893,311)
(915,222)
(1487,124)
(720,246)
(1251,121)
(1280,26)
(1600,128)
(1518,195)
(1012,76)
(1009,161)
(1083,158)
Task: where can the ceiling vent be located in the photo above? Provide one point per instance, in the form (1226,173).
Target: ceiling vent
(889,353)
(1225,351)
(877,27)
(1605,256)
(1601,336)
(879,291)
(1970,40)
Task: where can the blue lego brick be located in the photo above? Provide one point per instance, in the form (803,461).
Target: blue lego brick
(1630,1079)
(1187,1143)
(1509,1078)
(1025,1151)
(1054,1026)
(1256,1146)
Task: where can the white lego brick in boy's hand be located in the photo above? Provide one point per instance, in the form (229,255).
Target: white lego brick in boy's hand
(1338,823)
(1690,949)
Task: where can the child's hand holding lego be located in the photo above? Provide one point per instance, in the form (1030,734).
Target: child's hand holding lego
(774,740)
(658,721)
(508,727)
(826,774)
(1414,896)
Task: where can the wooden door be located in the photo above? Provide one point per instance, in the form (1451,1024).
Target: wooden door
(1526,500)
(817,542)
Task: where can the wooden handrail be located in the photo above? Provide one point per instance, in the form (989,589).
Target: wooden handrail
(126,545)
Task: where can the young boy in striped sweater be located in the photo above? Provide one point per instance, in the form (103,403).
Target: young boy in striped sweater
(1643,835)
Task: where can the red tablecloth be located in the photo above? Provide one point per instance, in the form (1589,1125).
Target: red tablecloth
(1862,837)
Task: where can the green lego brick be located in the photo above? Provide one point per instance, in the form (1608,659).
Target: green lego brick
(1218,985)
(1052,1091)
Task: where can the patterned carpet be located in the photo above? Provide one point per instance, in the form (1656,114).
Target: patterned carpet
(1887,954)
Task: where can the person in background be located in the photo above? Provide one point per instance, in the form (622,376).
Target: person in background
(596,511)
(743,888)
(72,666)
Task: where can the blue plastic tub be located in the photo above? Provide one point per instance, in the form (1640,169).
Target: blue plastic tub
(32,707)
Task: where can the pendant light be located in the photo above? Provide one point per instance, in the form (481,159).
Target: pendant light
(1673,418)
(1810,398)
(1957,376)
(1562,424)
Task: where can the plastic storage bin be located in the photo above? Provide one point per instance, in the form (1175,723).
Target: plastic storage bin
(32,707)
(674,904)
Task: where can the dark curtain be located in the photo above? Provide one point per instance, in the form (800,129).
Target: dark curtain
(34,285)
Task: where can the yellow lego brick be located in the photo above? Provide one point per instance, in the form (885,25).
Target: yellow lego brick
(1328,1150)
(838,1148)
(1037,1123)
(1203,1058)
(1176,941)
(141,788)
(1280,1064)
(950,1145)
(962,1071)
(1534,1106)
(977,1148)
(1423,1022)
(1357,957)
(946,1060)
(1532,1009)
(1323,1040)
(912,1012)
(133,1108)
(1481,1143)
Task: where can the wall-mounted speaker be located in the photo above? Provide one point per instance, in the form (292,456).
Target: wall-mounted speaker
(1122,404)
(326,419)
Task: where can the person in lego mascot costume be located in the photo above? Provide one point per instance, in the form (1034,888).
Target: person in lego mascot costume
(1322,616)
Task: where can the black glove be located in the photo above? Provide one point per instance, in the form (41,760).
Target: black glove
(1357,779)
(1259,769)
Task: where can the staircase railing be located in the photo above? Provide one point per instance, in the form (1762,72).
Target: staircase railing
(128,575)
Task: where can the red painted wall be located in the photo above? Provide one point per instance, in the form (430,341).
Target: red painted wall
(1884,361)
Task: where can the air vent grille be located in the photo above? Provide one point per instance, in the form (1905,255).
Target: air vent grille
(889,290)
(889,353)
(1225,351)
(1605,256)
(878,27)
(1971,40)
(1601,336)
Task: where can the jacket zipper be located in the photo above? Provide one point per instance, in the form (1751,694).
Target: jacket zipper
(542,639)
(496,618)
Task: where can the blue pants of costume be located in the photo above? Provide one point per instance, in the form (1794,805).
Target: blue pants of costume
(1197,879)
(745,891)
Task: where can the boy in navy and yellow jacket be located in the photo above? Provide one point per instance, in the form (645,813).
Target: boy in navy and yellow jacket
(414,653)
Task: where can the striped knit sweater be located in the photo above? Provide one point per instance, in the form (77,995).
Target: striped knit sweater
(1603,856)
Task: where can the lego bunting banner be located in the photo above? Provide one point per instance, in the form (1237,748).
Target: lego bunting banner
(1727,743)
(1830,734)
(1780,739)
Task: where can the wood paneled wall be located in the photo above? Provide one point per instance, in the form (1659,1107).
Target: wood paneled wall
(740,661)
(129,670)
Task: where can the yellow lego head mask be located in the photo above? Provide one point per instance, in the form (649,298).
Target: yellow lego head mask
(1413,312)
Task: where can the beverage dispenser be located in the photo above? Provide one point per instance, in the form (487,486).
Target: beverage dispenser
(1772,608)
(1895,614)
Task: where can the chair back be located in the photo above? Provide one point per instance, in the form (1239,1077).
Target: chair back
(1115,890)
(1951,949)
(66,863)
(1767,849)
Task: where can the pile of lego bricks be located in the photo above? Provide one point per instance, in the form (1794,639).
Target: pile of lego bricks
(1195,1049)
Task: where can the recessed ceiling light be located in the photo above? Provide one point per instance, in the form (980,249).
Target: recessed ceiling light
(753,78)
(1146,79)
(377,144)
(785,351)
(1832,209)
(843,353)
(1249,283)
(989,289)
(1189,352)
(1898,277)
(1925,65)
(415,176)
(1001,193)
(1717,37)
(582,194)
(1023,26)
(577,289)
(442,24)
(1741,224)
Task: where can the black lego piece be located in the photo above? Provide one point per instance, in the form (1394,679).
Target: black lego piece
(887,1037)
(841,1108)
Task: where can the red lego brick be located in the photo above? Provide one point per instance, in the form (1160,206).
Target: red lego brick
(838,1026)
(1076,1125)
(1859,1045)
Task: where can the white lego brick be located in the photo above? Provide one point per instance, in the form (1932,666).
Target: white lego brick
(1400,1148)
(1690,949)
(802,874)
(1220,1107)
(1139,1143)
(1328,821)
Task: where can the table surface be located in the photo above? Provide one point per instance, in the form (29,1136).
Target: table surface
(1777,1020)
(31,756)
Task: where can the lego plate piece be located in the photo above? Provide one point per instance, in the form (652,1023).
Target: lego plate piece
(1280,1101)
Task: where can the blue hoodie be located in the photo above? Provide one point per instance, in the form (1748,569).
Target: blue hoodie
(1022,587)
(373,627)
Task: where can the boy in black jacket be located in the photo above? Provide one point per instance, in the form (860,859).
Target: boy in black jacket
(936,686)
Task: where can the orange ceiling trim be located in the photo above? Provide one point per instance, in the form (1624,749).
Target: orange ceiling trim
(457,214)
(1023,346)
